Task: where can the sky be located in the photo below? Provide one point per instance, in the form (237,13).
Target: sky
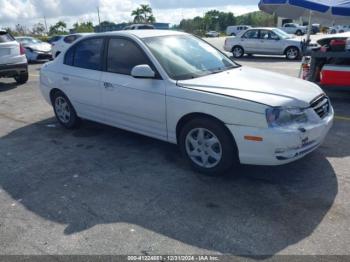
(29,12)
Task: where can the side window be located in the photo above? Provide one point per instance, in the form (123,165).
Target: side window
(71,38)
(88,54)
(123,56)
(69,58)
(251,34)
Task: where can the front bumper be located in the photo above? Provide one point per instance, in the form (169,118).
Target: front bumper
(38,55)
(12,70)
(279,146)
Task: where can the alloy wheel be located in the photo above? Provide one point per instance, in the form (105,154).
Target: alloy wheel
(203,147)
(62,109)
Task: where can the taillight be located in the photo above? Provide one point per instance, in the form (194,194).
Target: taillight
(22,50)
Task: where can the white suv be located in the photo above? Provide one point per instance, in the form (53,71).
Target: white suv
(13,61)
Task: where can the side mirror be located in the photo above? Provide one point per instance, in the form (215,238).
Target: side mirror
(143,71)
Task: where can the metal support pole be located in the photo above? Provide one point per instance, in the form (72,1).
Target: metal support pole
(305,47)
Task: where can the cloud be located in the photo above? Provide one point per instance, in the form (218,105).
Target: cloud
(28,12)
(171,4)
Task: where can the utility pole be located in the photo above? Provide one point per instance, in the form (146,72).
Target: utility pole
(98,14)
(45,25)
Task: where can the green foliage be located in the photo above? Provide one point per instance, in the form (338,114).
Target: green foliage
(60,28)
(85,27)
(38,29)
(257,19)
(219,21)
(143,14)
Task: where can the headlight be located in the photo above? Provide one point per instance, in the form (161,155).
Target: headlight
(285,117)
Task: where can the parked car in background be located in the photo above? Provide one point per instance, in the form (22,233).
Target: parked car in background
(292,28)
(36,50)
(236,29)
(139,27)
(212,34)
(13,61)
(177,88)
(65,42)
(55,38)
(315,29)
(339,29)
(266,41)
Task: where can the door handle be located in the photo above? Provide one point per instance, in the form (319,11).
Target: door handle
(65,78)
(108,85)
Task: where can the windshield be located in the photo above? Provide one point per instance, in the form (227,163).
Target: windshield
(28,40)
(185,56)
(281,34)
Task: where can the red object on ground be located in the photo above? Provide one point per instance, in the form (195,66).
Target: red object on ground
(335,75)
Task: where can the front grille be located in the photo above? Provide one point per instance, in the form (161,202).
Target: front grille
(322,106)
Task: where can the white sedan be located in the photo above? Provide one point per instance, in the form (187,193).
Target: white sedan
(63,43)
(175,87)
(264,41)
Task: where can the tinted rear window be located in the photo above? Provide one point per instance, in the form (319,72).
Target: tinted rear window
(6,37)
(88,54)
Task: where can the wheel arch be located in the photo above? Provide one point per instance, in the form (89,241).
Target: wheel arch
(290,46)
(237,45)
(53,92)
(189,117)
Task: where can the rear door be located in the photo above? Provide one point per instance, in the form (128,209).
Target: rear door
(9,49)
(250,41)
(81,75)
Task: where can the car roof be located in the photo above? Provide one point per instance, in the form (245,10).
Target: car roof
(263,28)
(143,33)
(23,37)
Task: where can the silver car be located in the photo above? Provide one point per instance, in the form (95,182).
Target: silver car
(264,41)
(36,50)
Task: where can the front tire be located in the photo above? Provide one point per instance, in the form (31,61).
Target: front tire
(237,51)
(299,33)
(208,146)
(64,111)
(22,78)
(292,53)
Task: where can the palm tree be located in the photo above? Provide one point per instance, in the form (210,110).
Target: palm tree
(138,16)
(147,13)
(143,14)
(151,19)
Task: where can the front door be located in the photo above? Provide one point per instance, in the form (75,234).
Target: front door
(132,103)
(270,43)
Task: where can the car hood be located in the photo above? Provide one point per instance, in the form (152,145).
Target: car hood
(43,47)
(258,86)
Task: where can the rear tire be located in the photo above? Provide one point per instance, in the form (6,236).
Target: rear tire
(237,51)
(22,78)
(299,33)
(208,146)
(64,111)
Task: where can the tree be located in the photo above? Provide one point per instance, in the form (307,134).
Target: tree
(138,15)
(38,29)
(219,21)
(85,27)
(143,14)
(21,29)
(60,28)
